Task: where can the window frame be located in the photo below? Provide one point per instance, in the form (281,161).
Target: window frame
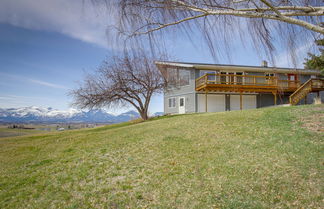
(172,101)
(269,75)
(234,81)
(176,73)
(189,75)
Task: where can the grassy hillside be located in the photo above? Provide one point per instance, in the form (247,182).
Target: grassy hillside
(264,158)
(8,132)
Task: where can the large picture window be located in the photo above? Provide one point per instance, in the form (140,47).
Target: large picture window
(184,76)
(178,77)
(172,77)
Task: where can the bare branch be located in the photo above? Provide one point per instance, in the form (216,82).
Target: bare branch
(131,79)
(265,23)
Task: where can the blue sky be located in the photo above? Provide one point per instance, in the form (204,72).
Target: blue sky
(47,46)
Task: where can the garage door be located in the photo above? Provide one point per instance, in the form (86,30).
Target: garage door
(216,103)
(249,102)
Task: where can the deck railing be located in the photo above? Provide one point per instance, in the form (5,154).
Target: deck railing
(317,83)
(288,84)
(303,90)
(246,80)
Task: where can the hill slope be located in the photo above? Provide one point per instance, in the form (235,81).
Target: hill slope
(242,159)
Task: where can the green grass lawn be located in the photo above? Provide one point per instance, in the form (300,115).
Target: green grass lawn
(262,158)
(8,132)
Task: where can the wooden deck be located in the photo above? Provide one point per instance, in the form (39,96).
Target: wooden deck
(312,85)
(257,84)
(244,83)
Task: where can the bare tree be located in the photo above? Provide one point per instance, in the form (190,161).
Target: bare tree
(263,21)
(128,80)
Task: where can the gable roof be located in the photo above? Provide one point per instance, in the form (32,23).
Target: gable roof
(246,68)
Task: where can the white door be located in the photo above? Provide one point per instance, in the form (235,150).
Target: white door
(215,103)
(182,105)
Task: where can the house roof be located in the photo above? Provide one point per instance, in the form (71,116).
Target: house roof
(204,66)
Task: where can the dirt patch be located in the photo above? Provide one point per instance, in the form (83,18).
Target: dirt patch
(314,122)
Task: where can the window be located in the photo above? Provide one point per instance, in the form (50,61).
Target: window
(172,77)
(181,102)
(211,74)
(239,78)
(177,77)
(232,78)
(172,102)
(292,77)
(269,78)
(184,76)
(269,75)
(223,77)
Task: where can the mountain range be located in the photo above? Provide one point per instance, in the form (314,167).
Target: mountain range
(35,114)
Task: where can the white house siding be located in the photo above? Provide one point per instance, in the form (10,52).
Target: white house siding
(187,91)
(248,102)
(215,103)
(190,103)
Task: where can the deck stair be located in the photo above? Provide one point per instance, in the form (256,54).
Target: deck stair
(312,85)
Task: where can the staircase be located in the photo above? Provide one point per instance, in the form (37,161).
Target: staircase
(312,85)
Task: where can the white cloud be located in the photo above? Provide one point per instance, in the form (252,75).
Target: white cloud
(17,101)
(6,76)
(79,19)
(44,83)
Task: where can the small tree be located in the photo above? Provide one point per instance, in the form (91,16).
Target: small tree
(121,81)
(316,61)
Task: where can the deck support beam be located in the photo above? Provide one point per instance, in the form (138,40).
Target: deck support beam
(206,101)
(275,97)
(241,101)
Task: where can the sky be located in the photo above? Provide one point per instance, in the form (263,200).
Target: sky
(47,46)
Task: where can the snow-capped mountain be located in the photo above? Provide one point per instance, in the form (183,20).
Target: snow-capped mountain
(50,115)
(158,114)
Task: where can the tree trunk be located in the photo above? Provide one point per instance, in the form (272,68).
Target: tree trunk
(144,115)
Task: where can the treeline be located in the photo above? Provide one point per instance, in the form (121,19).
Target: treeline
(20,126)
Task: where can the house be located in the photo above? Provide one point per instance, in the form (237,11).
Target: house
(197,87)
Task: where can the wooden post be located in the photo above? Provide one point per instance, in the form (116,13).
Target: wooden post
(305,99)
(241,101)
(275,98)
(206,101)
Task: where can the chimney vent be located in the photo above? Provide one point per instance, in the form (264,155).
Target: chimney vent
(264,63)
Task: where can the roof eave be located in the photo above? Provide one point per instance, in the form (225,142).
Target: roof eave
(238,68)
